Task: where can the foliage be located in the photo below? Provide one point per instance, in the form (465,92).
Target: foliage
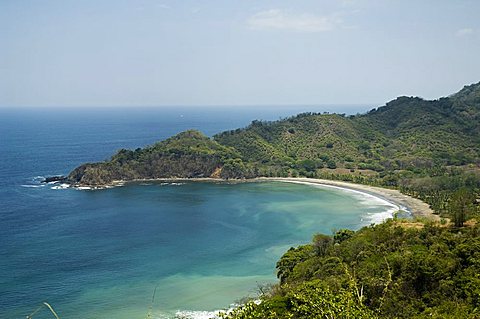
(405,134)
(461,205)
(384,271)
(186,155)
(307,300)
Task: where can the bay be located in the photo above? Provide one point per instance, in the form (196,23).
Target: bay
(101,254)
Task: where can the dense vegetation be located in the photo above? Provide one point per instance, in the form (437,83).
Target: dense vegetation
(186,155)
(407,134)
(381,271)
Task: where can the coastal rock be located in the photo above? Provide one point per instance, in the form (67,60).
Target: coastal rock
(58,178)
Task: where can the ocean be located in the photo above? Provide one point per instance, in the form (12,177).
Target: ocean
(102,254)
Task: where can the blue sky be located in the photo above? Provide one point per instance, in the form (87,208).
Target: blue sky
(166,52)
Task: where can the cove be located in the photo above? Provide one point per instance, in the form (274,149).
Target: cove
(201,245)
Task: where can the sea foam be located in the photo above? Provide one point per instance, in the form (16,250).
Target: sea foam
(366,199)
(190,314)
(61,186)
(171,184)
(32,186)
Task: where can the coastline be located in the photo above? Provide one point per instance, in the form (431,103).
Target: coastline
(415,206)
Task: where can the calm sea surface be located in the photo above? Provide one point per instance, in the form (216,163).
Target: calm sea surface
(101,254)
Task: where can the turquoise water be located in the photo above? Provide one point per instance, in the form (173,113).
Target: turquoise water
(101,254)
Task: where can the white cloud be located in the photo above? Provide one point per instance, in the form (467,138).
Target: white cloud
(280,20)
(464,32)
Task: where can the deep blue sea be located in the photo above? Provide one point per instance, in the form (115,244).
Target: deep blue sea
(102,253)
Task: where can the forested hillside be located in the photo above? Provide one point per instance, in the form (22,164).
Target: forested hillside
(186,155)
(407,133)
(427,149)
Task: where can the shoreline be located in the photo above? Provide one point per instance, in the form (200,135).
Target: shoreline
(414,206)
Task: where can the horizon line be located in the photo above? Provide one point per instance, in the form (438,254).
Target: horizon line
(190,105)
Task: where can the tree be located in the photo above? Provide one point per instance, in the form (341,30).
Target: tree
(331,164)
(461,204)
(321,243)
(342,235)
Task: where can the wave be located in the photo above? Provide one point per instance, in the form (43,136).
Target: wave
(198,314)
(34,182)
(61,186)
(202,314)
(192,314)
(366,199)
(39,181)
(378,218)
(83,188)
(32,185)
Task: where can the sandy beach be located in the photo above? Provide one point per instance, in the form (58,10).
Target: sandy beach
(414,205)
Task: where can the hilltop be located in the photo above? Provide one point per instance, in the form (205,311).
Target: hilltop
(189,154)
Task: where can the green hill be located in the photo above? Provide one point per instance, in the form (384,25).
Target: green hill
(405,133)
(187,155)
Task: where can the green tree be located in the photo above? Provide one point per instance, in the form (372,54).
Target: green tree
(331,164)
(461,205)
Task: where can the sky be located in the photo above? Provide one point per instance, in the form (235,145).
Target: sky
(240,52)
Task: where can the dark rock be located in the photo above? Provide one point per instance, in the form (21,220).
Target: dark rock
(58,178)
